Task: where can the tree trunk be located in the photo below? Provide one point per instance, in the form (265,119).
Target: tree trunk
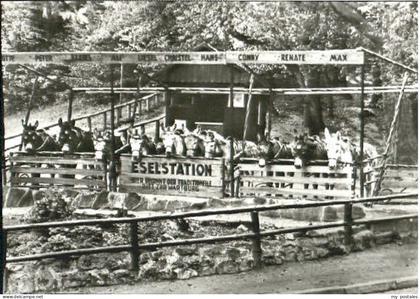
(313,119)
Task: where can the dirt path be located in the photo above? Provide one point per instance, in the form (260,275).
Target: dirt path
(384,262)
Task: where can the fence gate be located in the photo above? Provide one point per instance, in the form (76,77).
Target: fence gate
(46,169)
(194,177)
(283,179)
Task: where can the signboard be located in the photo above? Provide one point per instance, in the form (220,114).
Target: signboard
(195,177)
(342,57)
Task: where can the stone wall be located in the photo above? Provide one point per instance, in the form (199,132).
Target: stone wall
(184,262)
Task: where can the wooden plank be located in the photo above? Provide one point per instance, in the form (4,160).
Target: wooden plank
(54,160)
(340,57)
(57,181)
(214,180)
(17,169)
(208,192)
(399,184)
(298,180)
(292,168)
(161,158)
(309,192)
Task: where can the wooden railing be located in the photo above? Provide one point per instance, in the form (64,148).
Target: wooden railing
(256,235)
(149,101)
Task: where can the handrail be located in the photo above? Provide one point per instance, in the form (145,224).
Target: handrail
(89,115)
(257,208)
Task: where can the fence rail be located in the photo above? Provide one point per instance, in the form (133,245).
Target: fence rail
(255,235)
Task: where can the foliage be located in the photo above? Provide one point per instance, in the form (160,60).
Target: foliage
(386,27)
(52,206)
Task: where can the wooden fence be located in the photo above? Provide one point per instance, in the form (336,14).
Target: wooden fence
(198,177)
(256,235)
(397,178)
(283,179)
(150,101)
(78,170)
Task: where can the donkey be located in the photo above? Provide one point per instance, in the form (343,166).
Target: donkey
(173,141)
(342,151)
(305,148)
(272,149)
(141,145)
(37,141)
(34,141)
(194,143)
(72,139)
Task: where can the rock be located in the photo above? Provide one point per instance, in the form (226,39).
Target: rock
(141,204)
(260,200)
(272,258)
(122,273)
(289,236)
(384,238)
(182,251)
(321,252)
(329,214)
(85,199)
(207,270)
(157,204)
(21,282)
(133,200)
(18,197)
(117,200)
(241,228)
(185,273)
(199,205)
(213,251)
(175,204)
(227,267)
(246,264)
(358,212)
(233,253)
(216,203)
(363,239)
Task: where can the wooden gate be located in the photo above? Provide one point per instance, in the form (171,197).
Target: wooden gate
(283,179)
(46,169)
(194,177)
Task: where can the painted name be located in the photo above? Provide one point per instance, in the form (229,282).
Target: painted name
(177,57)
(43,58)
(293,57)
(7,58)
(81,57)
(175,168)
(338,57)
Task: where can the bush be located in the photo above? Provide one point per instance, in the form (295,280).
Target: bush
(52,207)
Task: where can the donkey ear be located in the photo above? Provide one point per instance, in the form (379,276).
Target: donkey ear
(60,121)
(327,134)
(73,123)
(36,124)
(23,123)
(338,135)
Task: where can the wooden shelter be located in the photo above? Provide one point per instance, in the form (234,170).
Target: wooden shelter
(213,110)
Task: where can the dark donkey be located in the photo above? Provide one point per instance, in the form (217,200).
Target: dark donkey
(35,141)
(72,139)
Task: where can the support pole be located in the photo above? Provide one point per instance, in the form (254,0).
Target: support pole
(256,242)
(362,131)
(31,103)
(4,273)
(248,107)
(112,170)
(135,252)
(348,220)
(231,149)
(70,108)
(270,113)
(167,100)
(390,135)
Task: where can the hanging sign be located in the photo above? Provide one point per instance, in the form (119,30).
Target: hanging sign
(342,57)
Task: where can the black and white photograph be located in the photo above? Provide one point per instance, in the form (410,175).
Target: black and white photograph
(209,147)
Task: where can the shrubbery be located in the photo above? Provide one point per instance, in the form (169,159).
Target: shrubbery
(52,206)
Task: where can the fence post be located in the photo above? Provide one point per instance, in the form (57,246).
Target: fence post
(4,267)
(129,111)
(348,220)
(118,112)
(223,178)
(104,121)
(157,130)
(256,242)
(105,169)
(135,252)
(232,170)
(147,104)
(89,120)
